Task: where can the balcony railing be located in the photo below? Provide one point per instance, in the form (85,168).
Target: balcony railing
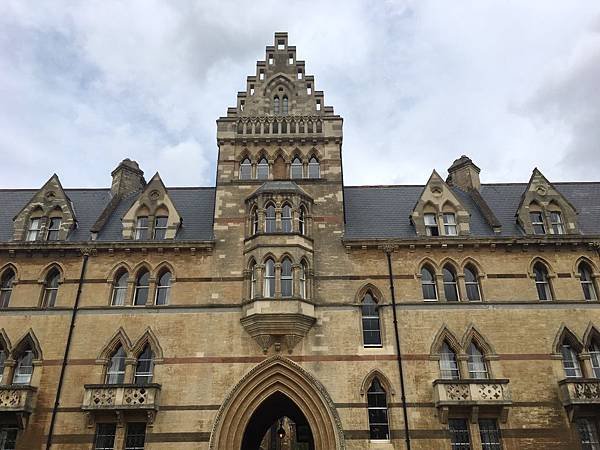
(121,398)
(580,396)
(18,401)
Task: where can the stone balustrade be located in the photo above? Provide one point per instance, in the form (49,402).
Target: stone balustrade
(121,398)
(18,401)
(580,396)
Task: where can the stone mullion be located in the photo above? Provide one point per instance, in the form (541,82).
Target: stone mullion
(462,287)
(120,434)
(247,294)
(296,280)
(8,373)
(151,291)
(130,297)
(261,221)
(463,366)
(474,431)
(586,365)
(277,280)
(130,364)
(260,280)
(440,287)
(278,227)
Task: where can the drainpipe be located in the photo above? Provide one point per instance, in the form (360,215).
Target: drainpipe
(388,249)
(67,348)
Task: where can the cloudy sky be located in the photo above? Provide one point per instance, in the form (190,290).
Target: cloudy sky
(514,84)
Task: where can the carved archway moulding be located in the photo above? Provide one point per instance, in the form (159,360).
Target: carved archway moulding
(277,374)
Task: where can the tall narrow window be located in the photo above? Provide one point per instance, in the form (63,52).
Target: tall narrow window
(556,222)
(245,169)
(144,368)
(160,228)
(588,433)
(448,364)
(450,224)
(34,229)
(428,284)
(163,288)
(142,286)
(431,225)
(2,361)
(542,282)
(296,169)
(270,218)
(370,322)
(587,282)
(269,279)
(472,284)
(537,222)
(303,280)
(51,289)
(136,436)
(8,436)
(6,287)
(120,288)
(570,361)
(450,285)
(276,105)
(262,169)
(254,220)
(105,436)
(141,228)
(459,434)
(314,168)
(489,434)
(24,368)
(476,362)
(286,219)
(378,412)
(302,221)
(594,350)
(284,105)
(252,279)
(53,229)
(115,372)
(287,279)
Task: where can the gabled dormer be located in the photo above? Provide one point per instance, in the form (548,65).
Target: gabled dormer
(439,212)
(153,215)
(543,210)
(48,216)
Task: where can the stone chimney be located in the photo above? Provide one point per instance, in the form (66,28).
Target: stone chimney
(127,178)
(464,174)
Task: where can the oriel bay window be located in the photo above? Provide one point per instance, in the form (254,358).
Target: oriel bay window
(270,222)
(287,279)
(286,218)
(269,279)
(378,411)
(370,321)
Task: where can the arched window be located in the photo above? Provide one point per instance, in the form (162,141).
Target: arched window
(370,321)
(2,361)
(542,282)
(6,287)
(254,220)
(34,229)
(286,218)
(570,361)
(448,363)
(296,169)
(269,279)
(141,228)
(303,290)
(450,285)
(144,368)
(378,412)
(262,169)
(428,284)
(587,282)
(594,351)
(115,372)
(302,221)
(472,284)
(477,366)
(270,218)
(276,108)
(245,169)
(287,279)
(284,105)
(24,367)
(51,289)
(163,288)
(142,286)
(314,168)
(119,292)
(252,269)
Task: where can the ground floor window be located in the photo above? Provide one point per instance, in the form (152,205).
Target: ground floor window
(588,433)
(105,436)
(8,438)
(459,434)
(490,435)
(136,436)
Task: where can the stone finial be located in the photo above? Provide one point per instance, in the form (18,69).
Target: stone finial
(464,174)
(127,178)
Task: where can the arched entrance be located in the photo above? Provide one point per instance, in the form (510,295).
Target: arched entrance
(274,389)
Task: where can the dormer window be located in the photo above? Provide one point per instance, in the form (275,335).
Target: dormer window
(34,229)
(141,228)
(450,224)
(431,225)
(53,229)
(160,228)
(556,222)
(537,222)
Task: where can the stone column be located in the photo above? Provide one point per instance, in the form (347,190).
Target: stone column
(277,280)
(260,280)
(296,280)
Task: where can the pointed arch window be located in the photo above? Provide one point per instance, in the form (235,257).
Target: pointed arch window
(34,229)
(163,288)
(284,105)
(448,363)
(144,369)
(587,282)
(428,284)
(252,279)
(476,361)
(542,282)
(276,105)
(142,286)
(119,292)
(270,218)
(314,168)
(51,289)
(269,279)
(245,169)
(378,411)
(472,284)
(370,321)
(24,367)
(115,372)
(296,168)
(2,361)
(450,284)
(6,287)
(287,279)
(303,290)
(302,221)
(286,218)
(262,169)
(570,361)
(254,220)
(594,351)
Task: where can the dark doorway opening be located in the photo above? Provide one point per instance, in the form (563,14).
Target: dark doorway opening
(278,424)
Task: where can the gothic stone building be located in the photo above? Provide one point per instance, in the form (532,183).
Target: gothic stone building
(259,313)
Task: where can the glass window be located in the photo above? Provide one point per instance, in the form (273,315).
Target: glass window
(246,169)
(252,279)
(428,284)
(537,222)
(450,224)
(297,169)
(459,434)
(105,436)
(276,105)
(6,287)
(51,289)
(378,412)
(287,279)
(302,221)
(542,282)
(472,284)
(269,281)
(144,368)
(303,280)
(594,350)
(163,288)
(284,105)
(588,433)
(53,228)
(254,221)
(35,227)
(115,373)
(262,169)
(476,362)
(490,435)
(136,436)
(570,362)
(450,285)
(2,361)
(142,286)
(448,364)
(370,322)
(120,289)
(431,225)
(286,219)
(314,168)
(24,368)
(160,228)
(270,219)
(141,228)
(587,282)
(8,437)
(556,221)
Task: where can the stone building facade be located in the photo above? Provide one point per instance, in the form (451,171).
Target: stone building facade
(259,313)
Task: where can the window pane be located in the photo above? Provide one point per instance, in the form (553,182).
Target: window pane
(53,228)
(587,282)
(377,411)
(476,363)
(296,168)
(286,278)
(160,227)
(450,224)
(136,436)
(314,168)
(537,222)
(34,229)
(588,434)
(570,362)
(459,434)
(595,356)
(105,436)
(8,437)
(2,360)
(262,170)
(557,223)
(163,289)
(141,228)
(24,368)
(246,169)
(490,435)
(286,219)
(115,373)
(270,219)
(450,287)
(145,367)
(370,321)
(448,364)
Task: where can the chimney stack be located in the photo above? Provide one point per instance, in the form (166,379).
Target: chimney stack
(127,178)
(464,174)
